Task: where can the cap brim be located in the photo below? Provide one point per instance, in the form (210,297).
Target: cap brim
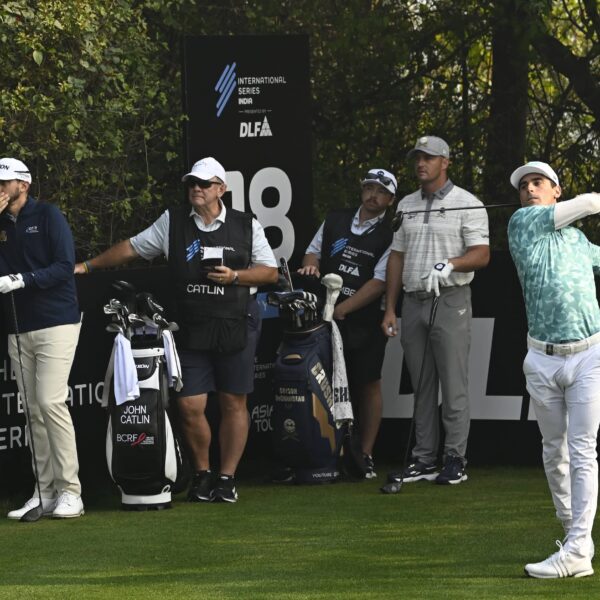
(205,176)
(385,187)
(519,173)
(414,150)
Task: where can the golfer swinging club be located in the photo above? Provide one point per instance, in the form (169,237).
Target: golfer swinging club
(556,266)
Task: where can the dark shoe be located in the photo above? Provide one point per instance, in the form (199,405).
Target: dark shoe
(224,490)
(453,471)
(201,487)
(370,474)
(415,471)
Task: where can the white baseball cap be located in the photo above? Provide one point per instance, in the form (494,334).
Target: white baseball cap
(535,166)
(206,168)
(11,168)
(430,144)
(383,178)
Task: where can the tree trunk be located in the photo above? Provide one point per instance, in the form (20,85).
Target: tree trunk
(512,23)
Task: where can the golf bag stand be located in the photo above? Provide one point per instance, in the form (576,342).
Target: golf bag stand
(142,453)
(305,437)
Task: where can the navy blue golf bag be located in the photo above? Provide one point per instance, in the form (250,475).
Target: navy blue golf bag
(306,440)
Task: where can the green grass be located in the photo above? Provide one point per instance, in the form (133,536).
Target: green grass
(334,541)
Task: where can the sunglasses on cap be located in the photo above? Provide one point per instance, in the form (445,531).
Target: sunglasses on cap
(374,176)
(192,182)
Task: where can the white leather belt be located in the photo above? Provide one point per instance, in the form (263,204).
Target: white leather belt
(565,348)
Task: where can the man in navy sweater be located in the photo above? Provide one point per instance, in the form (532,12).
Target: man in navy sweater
(37,257)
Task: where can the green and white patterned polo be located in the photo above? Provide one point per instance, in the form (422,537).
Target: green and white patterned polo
(556,269)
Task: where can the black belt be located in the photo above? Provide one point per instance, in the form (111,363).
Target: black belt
(424,295)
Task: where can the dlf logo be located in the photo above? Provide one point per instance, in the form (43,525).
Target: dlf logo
(255,129)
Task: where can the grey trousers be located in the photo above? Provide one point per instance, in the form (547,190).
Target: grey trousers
(445,364)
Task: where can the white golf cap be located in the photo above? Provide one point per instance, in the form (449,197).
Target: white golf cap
(430,144)
(383,178)
(11,168)
(535,166)
(206,168)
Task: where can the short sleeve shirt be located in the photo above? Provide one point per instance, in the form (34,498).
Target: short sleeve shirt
(556,270)
(428,238)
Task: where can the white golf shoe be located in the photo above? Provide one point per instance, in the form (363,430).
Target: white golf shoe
(68,506)
(560,564)
(48,506)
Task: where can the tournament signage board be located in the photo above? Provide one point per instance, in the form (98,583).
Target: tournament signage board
(247,100)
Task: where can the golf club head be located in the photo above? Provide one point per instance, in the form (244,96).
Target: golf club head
(332,281)
(33,514)
(392,487)
(333,284)
(147,305)
(282,283)
(285,271)
(125,292)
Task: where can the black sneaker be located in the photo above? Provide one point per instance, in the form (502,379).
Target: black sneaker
(201,487)
(453,471)
(415,471)
(224,490)
(370,474)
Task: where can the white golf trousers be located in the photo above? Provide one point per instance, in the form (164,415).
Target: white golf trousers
(47,356)
(565,391)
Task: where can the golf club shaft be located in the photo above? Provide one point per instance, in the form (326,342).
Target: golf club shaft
(399,216)
(395,486)
(25,398)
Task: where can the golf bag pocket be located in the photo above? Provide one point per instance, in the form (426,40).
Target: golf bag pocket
(304,432)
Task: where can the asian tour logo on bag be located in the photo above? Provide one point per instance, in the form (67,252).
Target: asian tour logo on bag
(225,86)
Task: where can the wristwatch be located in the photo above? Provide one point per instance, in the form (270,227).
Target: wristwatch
(236,278)
(439,266)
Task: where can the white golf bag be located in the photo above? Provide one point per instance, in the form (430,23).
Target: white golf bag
(142,453)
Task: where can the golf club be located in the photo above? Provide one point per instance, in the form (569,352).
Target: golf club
(35,513)
(333,283)
(285,271)
(398,218)
(396,480)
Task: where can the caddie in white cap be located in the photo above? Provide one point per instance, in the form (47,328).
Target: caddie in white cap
(206,169)
(217,257)
(435,254)
(355,244)
(556,265)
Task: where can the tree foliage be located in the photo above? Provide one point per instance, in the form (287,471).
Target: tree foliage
(92,95)
(87,103)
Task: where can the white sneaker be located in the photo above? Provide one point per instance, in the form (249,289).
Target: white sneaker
(68,506)
(48,506)
(560,564)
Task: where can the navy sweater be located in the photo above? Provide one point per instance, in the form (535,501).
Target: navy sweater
(39,245)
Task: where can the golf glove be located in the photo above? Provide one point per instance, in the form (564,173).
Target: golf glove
(8,283)
(439,274)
